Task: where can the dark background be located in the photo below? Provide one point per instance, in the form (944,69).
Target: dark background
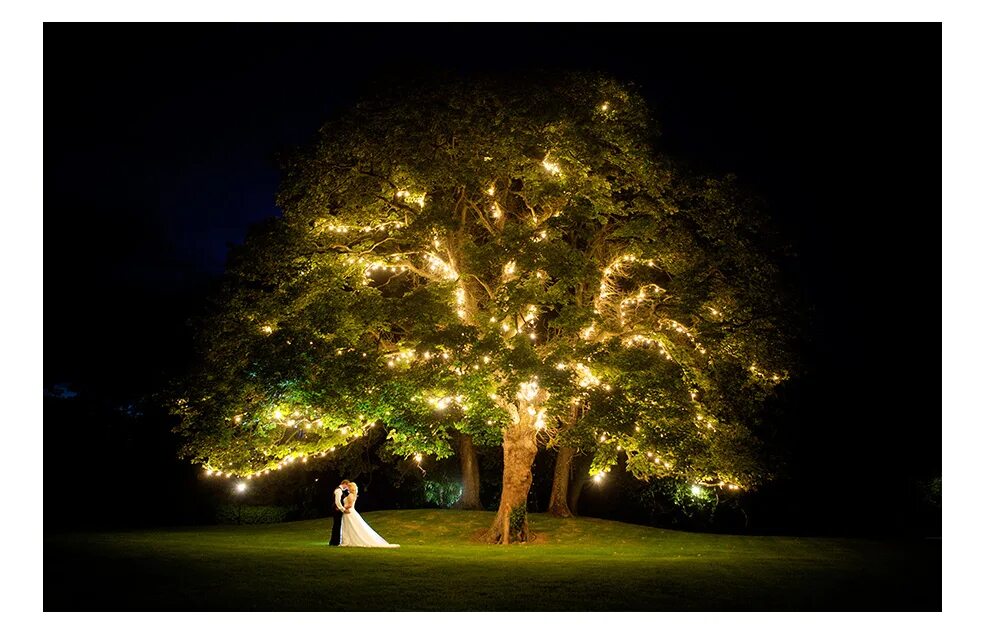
(160,144)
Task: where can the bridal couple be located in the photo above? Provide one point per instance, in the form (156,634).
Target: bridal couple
(350,529)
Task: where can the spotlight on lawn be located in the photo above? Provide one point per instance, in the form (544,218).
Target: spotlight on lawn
(241,487)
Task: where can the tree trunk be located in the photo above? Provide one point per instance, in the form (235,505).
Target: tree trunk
(579,481)
(519,450)
(469,499)
(559,504)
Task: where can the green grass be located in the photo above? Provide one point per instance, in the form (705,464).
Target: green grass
(579,564)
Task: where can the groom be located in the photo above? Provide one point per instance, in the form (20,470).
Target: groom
(339,495)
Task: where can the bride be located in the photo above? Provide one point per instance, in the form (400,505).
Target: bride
(355,532)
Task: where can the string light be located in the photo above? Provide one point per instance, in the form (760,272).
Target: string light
(528,390)
(438,265)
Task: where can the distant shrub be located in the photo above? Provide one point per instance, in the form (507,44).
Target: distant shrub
(228,514)
(442,493)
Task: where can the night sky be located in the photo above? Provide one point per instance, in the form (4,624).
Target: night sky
(160,144)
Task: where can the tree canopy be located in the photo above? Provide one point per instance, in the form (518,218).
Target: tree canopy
(510,260)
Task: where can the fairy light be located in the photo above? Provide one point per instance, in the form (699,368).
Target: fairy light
(510,268)
(539,420)
(551,167)
(438,265)
(460,302)
(586,377)
(267,330)
(332,227)
(528,390)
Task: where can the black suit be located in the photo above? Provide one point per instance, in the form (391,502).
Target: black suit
(336,527)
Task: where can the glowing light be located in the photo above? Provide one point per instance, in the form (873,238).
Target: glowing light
(241,487)
(442,403)
(510,268)
(551,167)
(604,107)
(418,457)
(491,190)
(495,211)
(438,265)
(586,376)
(696,490)
(267,330)
(277,414)
(528,390)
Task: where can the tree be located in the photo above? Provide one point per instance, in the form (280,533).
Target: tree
(505,260)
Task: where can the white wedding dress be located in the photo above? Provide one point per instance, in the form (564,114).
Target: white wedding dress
(355,532)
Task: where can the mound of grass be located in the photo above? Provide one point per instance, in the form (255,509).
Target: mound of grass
(576,564)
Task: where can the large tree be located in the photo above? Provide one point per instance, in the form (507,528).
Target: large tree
(505,260)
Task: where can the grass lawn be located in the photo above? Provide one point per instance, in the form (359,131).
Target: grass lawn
(579,564)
